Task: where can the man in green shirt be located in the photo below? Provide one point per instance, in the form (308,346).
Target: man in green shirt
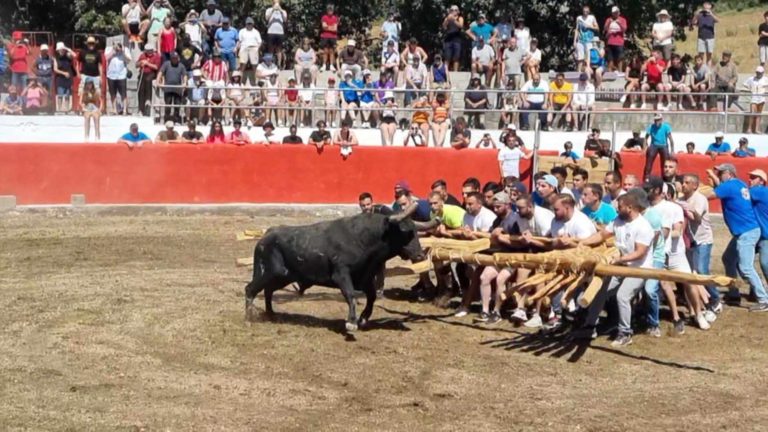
(451,216)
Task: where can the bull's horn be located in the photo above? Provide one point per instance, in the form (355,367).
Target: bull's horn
(407,212)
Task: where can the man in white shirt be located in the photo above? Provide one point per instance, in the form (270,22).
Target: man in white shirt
(634,237)
(663,34)
(478,218)
(533,97)
(248,44)
(583,102)
(276,18)
(509,158)
(580,180)
(483,57)
(586,29)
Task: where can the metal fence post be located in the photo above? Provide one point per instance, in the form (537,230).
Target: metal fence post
(725,115)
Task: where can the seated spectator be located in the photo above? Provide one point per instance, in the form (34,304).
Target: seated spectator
(719,147)
(413,50)
(634,144)
(568,152)
(235,97)
(256,112)
(12,104)
(460,134)
(690,148)
(560,98)
(533,59)
(331,102)
(597,65)
(189,55)
(415,137)
(132,13)
(216,134)
(441,118)
(584,102)
(34,96)
(757,86)
(509,103)
(439,76)
(486,142)
(237,136)
(388,123)
(701,80)
(216,101)
(483,61)
(390,59)
(416,79)
(653,70)
(292,137)
(633,75)
(197,98)
(248,45)
(744,150)
(226,39)
(420,117)
(134,138)
(512,60)
(269,136)
(320,137)
(594,207)
(351,59)
(266,68)
(350,100)
(597,148)
(725,76)
(168,135)
(678,80)
(215,69)
(192,135)
(291,101)
(367,100)
(273,97)
(306,99)
(345,138)
(475,103)
(305,60)
(533,97)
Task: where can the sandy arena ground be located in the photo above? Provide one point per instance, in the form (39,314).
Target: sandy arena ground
(117,322)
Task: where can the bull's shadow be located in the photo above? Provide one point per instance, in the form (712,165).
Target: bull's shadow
(333,325)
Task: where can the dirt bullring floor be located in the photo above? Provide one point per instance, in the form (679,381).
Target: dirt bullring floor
(118,322)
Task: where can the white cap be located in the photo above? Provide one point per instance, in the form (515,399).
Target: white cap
(759,69)
(197,73)
(169,124)
(237,73)
(347,72)
(719,134)
(389,95)
(614,9)
(366,72)
(663,12)
(351,42)
(60,46)
(43,47)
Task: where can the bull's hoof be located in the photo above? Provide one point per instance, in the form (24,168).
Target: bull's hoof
(350,326)
(250,315)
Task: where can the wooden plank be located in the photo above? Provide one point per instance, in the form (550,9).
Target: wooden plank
(455,244)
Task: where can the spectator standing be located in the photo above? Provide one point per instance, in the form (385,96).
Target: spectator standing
(583,102)
(659,142)
(190,54)
(166,40)
(453,30)
(757,86)
(44,68)
(513,58)
(351,59)
(586,29)
(483,60)
(704,19)
(132,13)
(90,64)
(305,60)
(533,97)
(92,104)
(212,19)
(481,29)
(523,34)
(173,74)
(412,50)
(615,29)
(158,11)
(18,54)
(194,28)
(744,149)
(134,137)
(725,76)
(149,63)
(762,40)
(276,18)
(560,99)
(509,158)
(329,35)
(117,77)
(663,34)
(64,70)
(739,255)
(390,30)
(248,45)
(226,39)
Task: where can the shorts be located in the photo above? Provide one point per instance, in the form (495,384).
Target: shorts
(367,104)
(705,46)
(273,100)
(557,106)
(85,78)
(678,262)
(249,54)
(117,86)
(133,28)
(63,91)
(328,43)
(452,51)
(516,79)
(388,120)
(677,86)
(614,52)
(582,50)
(653,86)
(275,41)
(763,54)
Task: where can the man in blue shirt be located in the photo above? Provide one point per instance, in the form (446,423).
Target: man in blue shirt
(657,135)
(481,29)
(350,97)
(594,207)
(719,146)
(226,41)
(758,192)
(134,138)
(739,255)
(568,153)
(744,150)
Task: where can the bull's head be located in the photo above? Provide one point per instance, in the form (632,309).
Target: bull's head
(403,238)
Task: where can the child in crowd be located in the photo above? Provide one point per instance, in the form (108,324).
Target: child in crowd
(331,102)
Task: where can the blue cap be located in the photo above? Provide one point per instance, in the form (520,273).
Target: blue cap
(551,180)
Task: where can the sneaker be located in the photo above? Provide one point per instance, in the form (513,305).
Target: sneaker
(534,322)
(710,316)
(366,125)
(461,312)
(760,307)
(519,315)
(680,327)
(333,124)
(703,323)
(553,323)
(584,333)
(623,98)
(494,318)
(654,332)
(717,308)
(482,318)
(643,106)
(622,340)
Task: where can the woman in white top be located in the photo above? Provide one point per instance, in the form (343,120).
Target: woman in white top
(194,28)
(306,98)
(305,59)
(388,120)
(273,95)
(662,32)
(235,97)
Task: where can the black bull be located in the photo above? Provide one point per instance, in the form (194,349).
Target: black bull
(345,253)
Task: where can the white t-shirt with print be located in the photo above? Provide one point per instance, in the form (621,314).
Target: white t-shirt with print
(510,161)
(629,234)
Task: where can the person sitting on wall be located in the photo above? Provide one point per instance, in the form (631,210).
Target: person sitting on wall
(134,138)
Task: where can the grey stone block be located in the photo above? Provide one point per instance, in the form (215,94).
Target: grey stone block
(78,200)
(7,202)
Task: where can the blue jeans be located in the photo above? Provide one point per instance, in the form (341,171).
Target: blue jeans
(19,80)
(700,257)
(739,259)
(652,287)
(524,121)
(762,248)
(231,60)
